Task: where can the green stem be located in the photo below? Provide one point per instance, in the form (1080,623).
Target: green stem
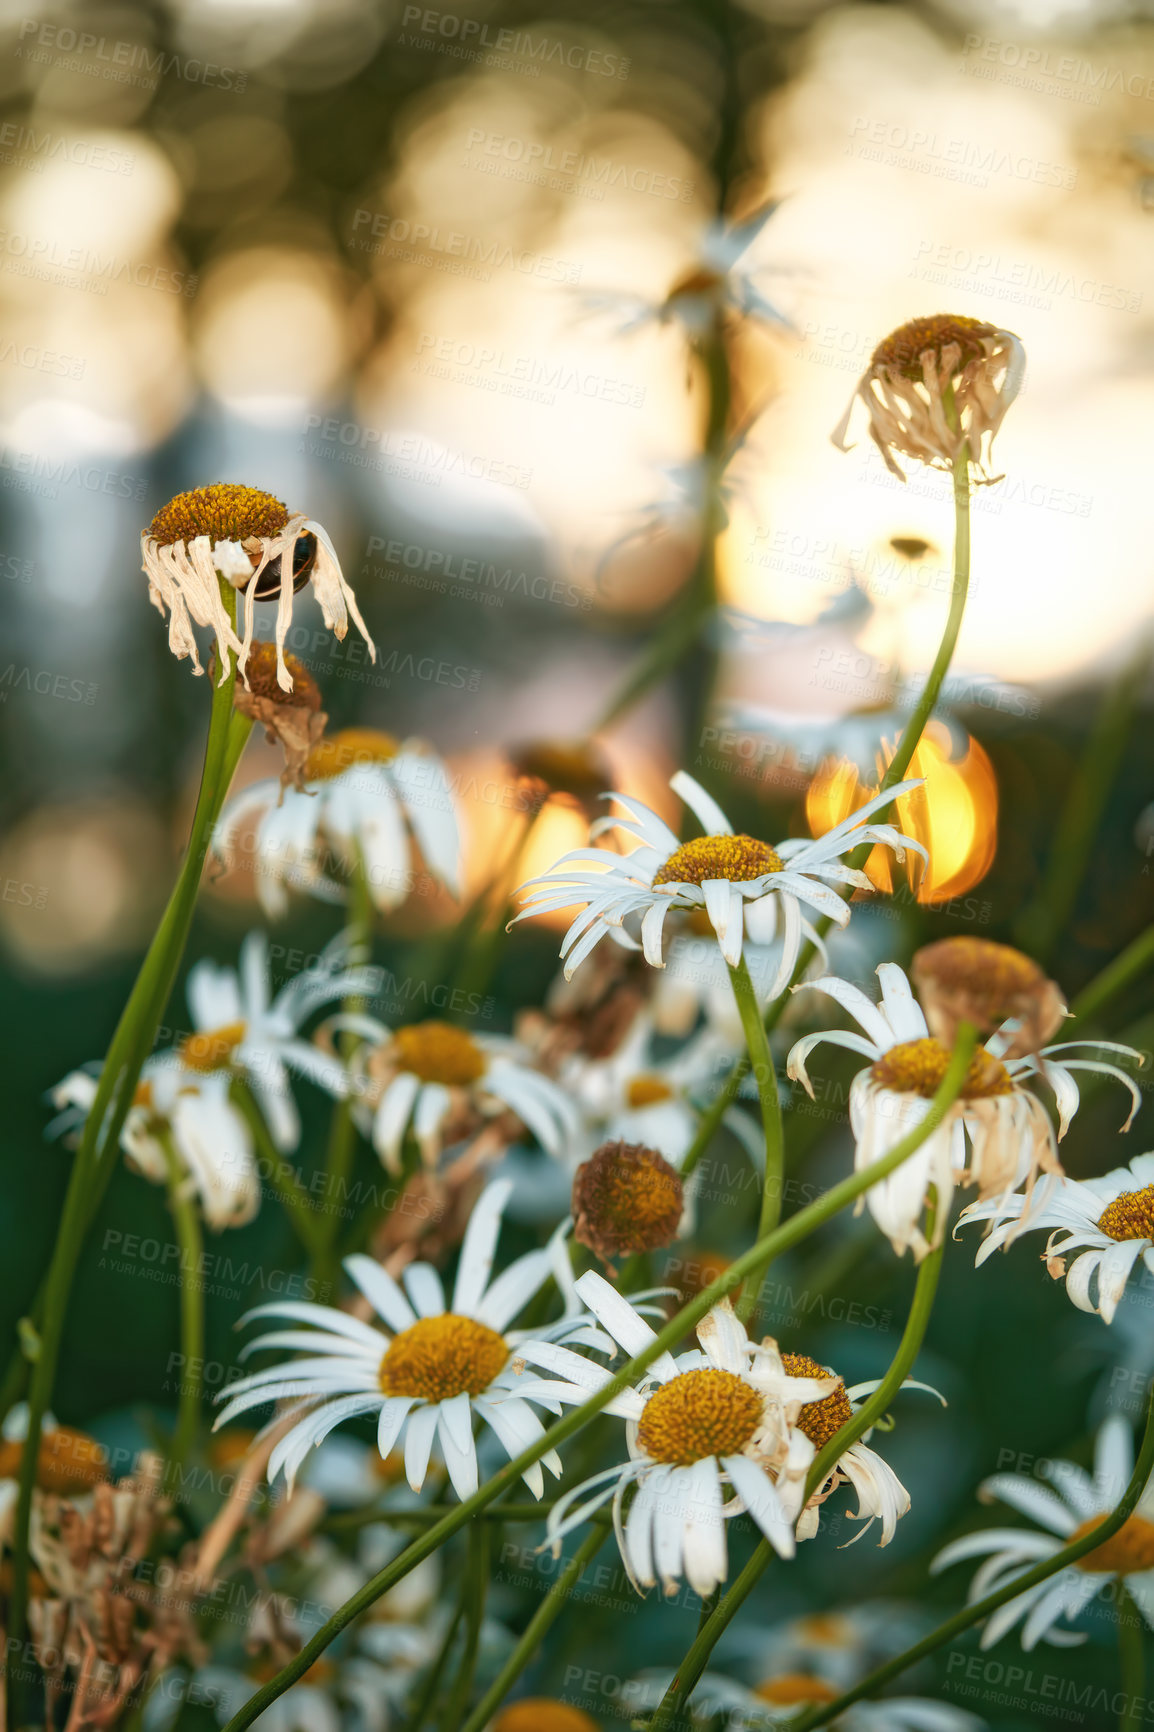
(1042,924)
(428,1695)
(689,1672)
(282,1175)
(898,765)
(1132,1658)
(342,1145)
(93,1164)
(974,1614)
(761,1061)
(1129,965)
(782,1239)
(536,1630)
(190,1239)
(477,1583)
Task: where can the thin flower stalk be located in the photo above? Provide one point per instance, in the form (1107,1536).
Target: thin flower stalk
(797,1228)
(277,1167)
(342,1143)
(538,1627)
(1127,967)
(93,1165)
(714,1626)
(970,1615)
(761,1061)
(190,1239)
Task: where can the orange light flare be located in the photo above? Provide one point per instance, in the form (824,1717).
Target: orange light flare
(954,815)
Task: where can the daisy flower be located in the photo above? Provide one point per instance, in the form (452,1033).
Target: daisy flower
(741,883)
(429,1372)
(241,535)
(710,1421)
(363,796)
(880,1493)
(904,391)
(719,282)
(442,1084)
(778,1700)
(1101,1229)
(241,1030)
(1077,1507)
(1008,1129)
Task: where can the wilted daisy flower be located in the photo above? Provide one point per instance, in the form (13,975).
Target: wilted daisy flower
(626,1199)
(993,986)
(880,1493)
(905,388)
(741,883)
(1010,1135)
(1084,1502)
(441,1084)
(430,1372)
(722,1418)
(240,1030)
(363,795)
(249,539)
(1101,1229)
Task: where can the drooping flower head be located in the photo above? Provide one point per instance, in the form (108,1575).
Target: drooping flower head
(626,1199)
(254,543)
(364,798)
(936,385)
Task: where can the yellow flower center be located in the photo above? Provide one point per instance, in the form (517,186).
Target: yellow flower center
(223,512)
(736,858)
(1125,1553)
(213,1049)
(440,1357)
(646,1090)
(338,752)
(260,672)
(902,350)
(793,1688)
(916,1067)
(542,1714)
(819,1420)
(699,1413)
(1130,1216)
(626,1198)
(439,1053)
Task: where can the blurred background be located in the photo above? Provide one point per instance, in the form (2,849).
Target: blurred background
(411,270)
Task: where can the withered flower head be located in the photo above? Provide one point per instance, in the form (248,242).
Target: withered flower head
(240,534)
(975,980)
(626,1199)
(935,385)
(575,768)
(67,1461)
(293,717)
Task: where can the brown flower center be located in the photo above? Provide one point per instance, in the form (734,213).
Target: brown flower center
(440,1357)
(819,1420)
(348,746)
(736,858)
(626,1198)
(439,1053)
(260,672)
(699,1413)
(542,1714)
(1125,1553)
(794,1688)
(1130,1216)
(223,512)
(902,350)
(211,1050)
(646,1090)
(916,1067)
(578,770)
